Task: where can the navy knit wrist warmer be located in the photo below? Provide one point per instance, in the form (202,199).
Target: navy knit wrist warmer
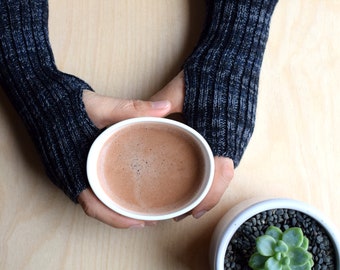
(49,101)
(222,74)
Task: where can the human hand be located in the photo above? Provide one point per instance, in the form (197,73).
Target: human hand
(174,91)
(104,111)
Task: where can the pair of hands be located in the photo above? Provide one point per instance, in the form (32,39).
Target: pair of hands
(105,111)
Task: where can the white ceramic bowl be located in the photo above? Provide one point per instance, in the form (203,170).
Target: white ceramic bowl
(100,193)
(240,213)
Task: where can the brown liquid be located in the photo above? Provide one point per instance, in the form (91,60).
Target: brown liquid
(150,168)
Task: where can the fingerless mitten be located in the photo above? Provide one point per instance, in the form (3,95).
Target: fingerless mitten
(222,74)
(49,101)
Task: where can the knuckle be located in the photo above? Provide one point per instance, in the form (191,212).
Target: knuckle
(135,105)
(132,107)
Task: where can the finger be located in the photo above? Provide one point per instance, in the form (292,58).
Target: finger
(96,209)
(124,109)
(105,111)
(174,91)
(224,173)
(181,217)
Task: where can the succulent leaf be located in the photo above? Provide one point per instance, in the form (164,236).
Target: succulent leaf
(306,266)
(272,264)
(281,246)
(265,245)
(278,256)
(298,256)
(274,232)
(285,261)
(305,243)
(293,237)
(311,260)
(257,261)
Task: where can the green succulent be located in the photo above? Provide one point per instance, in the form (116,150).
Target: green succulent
(277,250)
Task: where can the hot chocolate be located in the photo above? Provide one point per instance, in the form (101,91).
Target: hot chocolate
(151,167)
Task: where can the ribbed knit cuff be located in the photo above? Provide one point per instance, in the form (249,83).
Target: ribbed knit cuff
(48,101)
(222,74)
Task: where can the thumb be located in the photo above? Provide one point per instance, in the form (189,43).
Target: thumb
(174,91)
(105,111)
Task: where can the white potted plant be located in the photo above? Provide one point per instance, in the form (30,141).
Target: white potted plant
(274,234)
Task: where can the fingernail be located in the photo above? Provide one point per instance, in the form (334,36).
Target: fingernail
(160,105)
(137,226)
(199,214)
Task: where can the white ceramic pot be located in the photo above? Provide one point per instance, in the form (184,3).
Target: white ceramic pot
(240,213)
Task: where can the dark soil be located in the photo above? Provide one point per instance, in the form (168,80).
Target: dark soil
(242,245)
